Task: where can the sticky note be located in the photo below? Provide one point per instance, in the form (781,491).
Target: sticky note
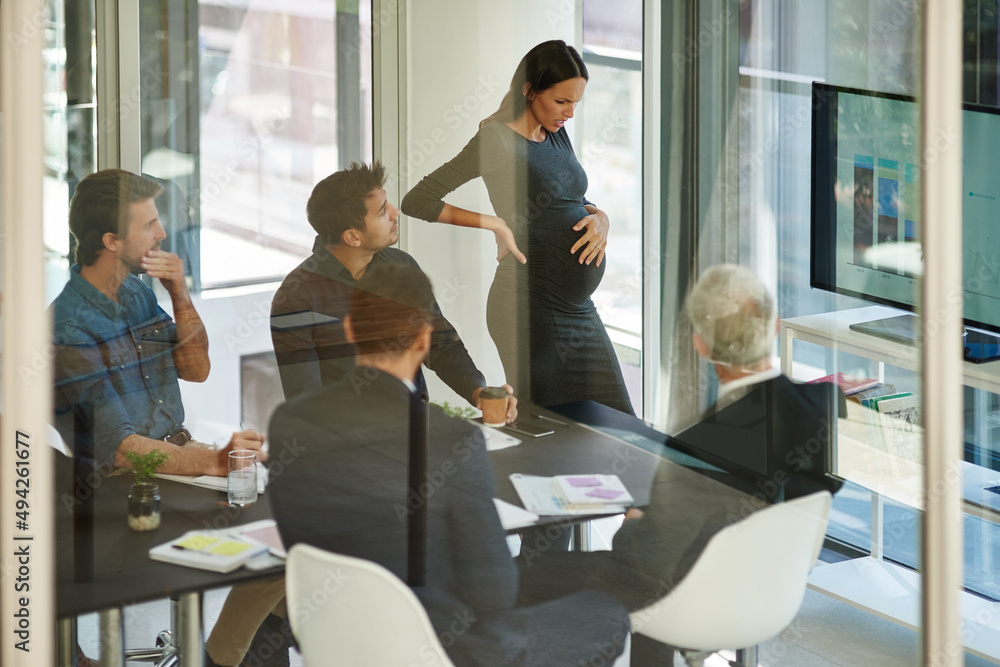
(229,548)
(197,542)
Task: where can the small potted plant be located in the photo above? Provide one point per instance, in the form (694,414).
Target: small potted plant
(457,411)
(144,496)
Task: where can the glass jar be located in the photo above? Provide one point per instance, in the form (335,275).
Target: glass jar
(144,506)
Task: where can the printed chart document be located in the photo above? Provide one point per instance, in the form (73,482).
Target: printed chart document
(572,494)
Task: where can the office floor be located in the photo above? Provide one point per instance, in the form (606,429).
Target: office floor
(825,633)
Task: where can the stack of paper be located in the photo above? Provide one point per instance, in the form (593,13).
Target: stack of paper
(572,494)
(592,491)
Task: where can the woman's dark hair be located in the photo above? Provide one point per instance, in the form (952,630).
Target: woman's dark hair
(541,68)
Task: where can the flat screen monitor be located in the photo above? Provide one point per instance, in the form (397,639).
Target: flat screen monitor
(866,218)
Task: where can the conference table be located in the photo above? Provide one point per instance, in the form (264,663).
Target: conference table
(590,439)
(123,574)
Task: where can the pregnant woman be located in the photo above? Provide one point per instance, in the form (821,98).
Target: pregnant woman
(550,238)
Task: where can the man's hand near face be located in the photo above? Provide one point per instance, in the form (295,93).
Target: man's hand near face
(191,351)
(169,269)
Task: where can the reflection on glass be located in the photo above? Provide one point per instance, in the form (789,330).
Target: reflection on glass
(69,130)
(870,243)
(609,142)
(612,156)
(245,108)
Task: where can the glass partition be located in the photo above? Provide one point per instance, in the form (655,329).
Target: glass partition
(245,106)
(869,220)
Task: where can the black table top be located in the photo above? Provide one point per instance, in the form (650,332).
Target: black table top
(579,449)
(124,574)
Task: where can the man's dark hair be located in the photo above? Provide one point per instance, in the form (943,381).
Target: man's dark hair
(100,205)
(339,201)
(390,307)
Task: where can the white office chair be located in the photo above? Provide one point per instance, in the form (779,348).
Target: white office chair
(360,611)
(355,612)
(746,586)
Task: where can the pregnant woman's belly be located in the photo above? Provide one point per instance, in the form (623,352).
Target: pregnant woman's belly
(552,270)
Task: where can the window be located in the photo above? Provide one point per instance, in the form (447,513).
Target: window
(609,142)
(245,107)
(69,127)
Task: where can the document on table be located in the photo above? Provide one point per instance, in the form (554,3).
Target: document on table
(215,482)
(512,516)
(212,550)
(255,545)
(266,532)
(541,495)
(495,438)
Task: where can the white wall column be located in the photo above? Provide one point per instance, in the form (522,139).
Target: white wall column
(941,203)
(27,493)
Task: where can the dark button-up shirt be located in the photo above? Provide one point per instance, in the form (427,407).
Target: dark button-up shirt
(114,367)
(307,329)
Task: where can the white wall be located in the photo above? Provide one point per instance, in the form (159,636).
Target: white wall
(460,57)
(238,324)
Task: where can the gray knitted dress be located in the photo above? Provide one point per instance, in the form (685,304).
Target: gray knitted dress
(552,343)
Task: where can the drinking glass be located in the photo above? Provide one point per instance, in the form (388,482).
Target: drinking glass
(242,482)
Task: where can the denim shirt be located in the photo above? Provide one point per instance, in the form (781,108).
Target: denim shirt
(114,367)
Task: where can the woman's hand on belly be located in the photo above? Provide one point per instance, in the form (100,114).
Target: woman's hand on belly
(595,239)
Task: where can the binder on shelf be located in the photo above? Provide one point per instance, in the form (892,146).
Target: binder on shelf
(883,389)
(849,384)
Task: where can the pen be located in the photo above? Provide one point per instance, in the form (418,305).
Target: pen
(550,419)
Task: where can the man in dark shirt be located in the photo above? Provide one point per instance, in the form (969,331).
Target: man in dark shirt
(355,226)
(345,490)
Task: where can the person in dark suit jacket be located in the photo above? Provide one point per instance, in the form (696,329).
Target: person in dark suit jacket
(766,437)
(342,486)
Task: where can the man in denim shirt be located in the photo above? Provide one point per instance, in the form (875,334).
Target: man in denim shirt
(119,357)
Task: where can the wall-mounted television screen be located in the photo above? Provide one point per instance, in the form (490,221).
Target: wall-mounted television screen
(866,218)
